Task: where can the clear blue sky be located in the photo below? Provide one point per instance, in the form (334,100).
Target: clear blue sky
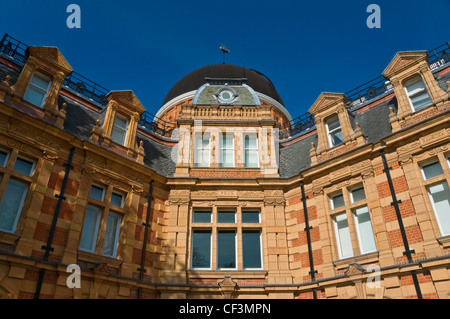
(305,48)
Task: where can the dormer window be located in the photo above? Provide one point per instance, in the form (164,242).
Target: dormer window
(119,131)
(417,94)
(37,89)
(334,132)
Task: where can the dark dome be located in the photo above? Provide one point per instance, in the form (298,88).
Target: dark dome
(194,80)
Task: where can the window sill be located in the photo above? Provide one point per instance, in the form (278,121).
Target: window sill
(8,238)
(444,241)
(98,259)
(364,259)
(219,274)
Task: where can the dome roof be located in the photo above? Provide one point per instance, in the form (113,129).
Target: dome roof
(194,80)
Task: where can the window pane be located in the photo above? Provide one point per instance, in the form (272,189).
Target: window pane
(251,159)
(228,141)
(418,93)
(201,156)
(111,235)
(201,249)
(337,201)
(358,195)
(337,138)
(440,196)
(96,193)
(432,170)
(226,249)
(333,124)
(90,228)
(11,204)
(34,96)
(120,122)
(118,135)
(23,167)
(226,217)
(251,249)
(201,217)
(116,200)
(3,158)
(421,101)
(40,81)
(251,142)
(227,159)
(365,231)
(251,217)
(343,236)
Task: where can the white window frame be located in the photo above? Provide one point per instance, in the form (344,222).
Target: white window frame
(222,149)
(38,88)
(20,207)
(251,135)
(358,231)
(227,211)
(210,231)
(235,248)
(121,129)
(333,119)
(332,202)
(96,230)
(251,211)
(27,159)
(413,81)
(8,154)
(199,147)
(354,189)
(122,201)
(103,192)
(260,249)
(338,239)
(427,163)
(434,206)
(116,238)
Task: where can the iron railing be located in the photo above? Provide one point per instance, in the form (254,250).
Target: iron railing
(91,90)
(372,89)
(156,125)
(15,49)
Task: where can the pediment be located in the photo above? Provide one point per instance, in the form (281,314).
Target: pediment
(326,101)
(127,99)
(51,55)
(354,269)
(403,61)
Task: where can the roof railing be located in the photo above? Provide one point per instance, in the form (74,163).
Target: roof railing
(372,89)
(91,90)
(15,49)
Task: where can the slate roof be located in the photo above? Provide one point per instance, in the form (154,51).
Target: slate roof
(194,80)
(293,158)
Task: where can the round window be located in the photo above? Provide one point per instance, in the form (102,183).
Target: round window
(226,95)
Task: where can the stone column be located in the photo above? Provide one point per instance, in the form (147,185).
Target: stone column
(176,258)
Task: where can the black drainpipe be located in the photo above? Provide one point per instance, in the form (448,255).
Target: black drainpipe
(308,238)
(48,247)
(144,244)
(408,252)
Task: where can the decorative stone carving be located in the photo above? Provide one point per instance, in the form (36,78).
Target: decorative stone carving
(96,132)
(228,287)
(102,268)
